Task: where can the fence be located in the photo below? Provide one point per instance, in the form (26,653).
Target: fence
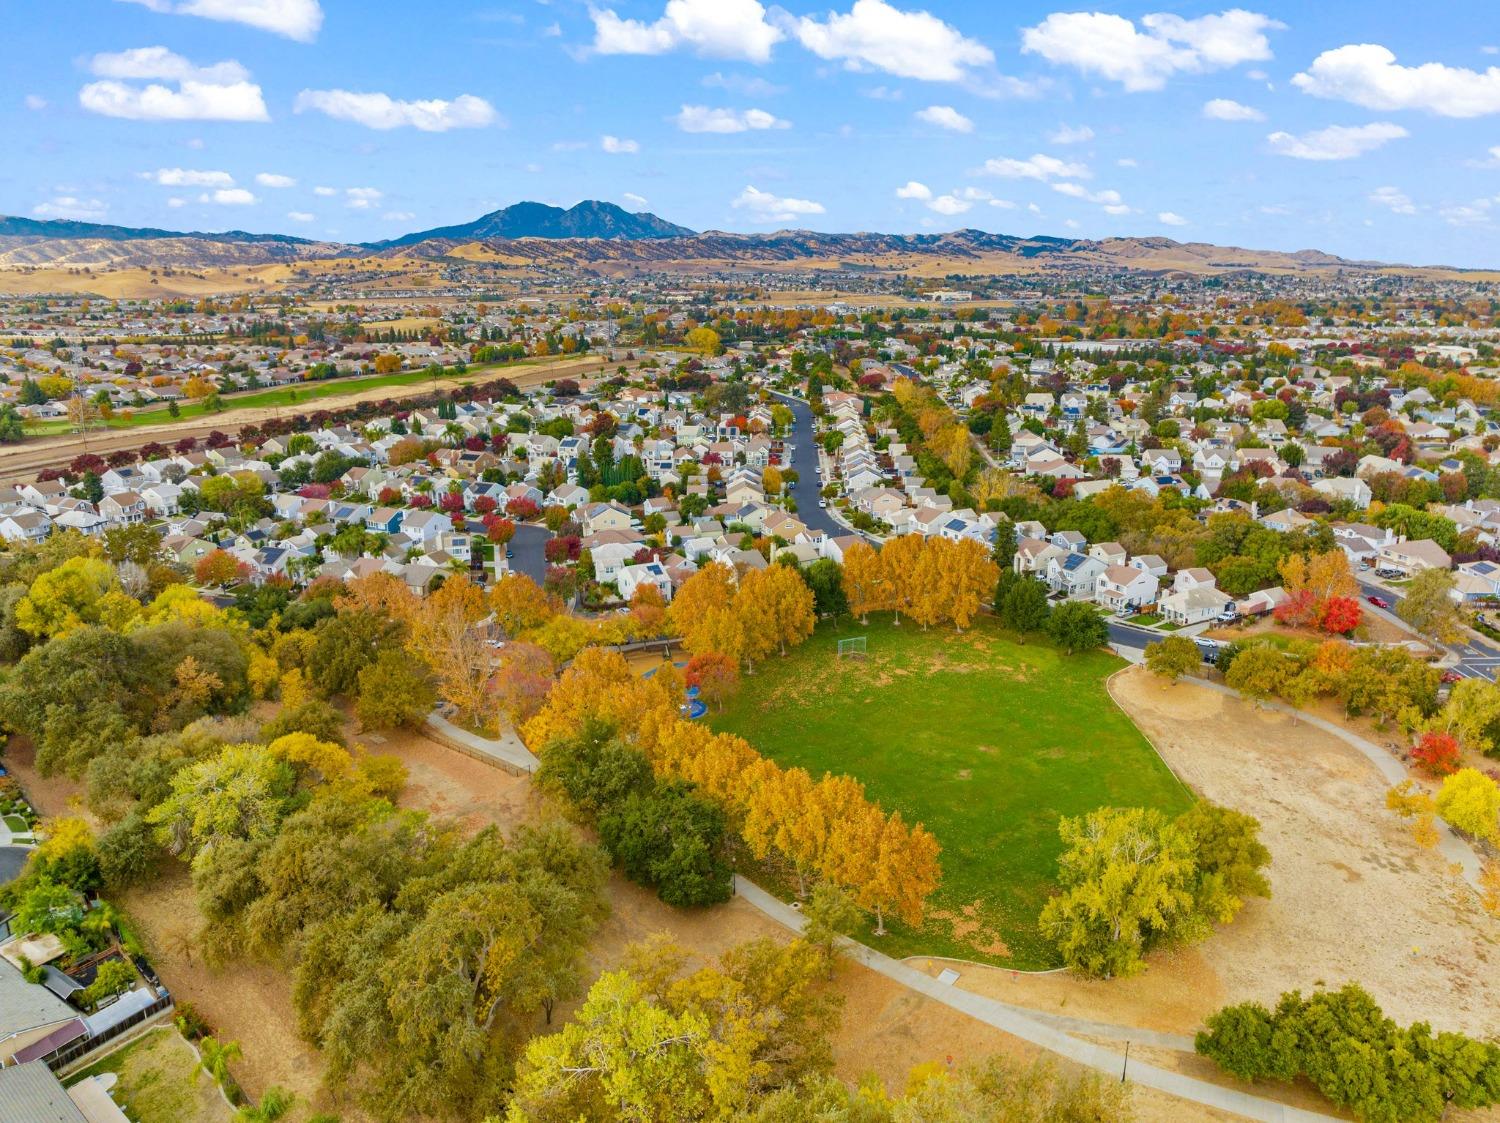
(61,1058)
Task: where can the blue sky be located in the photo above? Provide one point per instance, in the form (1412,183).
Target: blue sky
(1369,130)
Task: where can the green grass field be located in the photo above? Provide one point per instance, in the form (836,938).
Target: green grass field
(986,741)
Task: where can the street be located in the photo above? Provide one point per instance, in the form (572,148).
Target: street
(805,461)
(1477,657)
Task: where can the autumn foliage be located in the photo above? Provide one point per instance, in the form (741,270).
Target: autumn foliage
(1436,753)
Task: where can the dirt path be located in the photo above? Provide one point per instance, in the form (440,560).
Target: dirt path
(21,462)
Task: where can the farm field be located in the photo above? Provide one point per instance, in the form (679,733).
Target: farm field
(987,741)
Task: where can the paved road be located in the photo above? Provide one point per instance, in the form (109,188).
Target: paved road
(527,548)
(805,461)
(1477,657)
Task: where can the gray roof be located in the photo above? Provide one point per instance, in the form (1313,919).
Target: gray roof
(29,1093)
(25,1006)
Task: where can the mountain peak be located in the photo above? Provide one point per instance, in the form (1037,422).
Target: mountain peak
(588,219)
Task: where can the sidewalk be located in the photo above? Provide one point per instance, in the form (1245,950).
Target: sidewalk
(1044,1030)
(508,751)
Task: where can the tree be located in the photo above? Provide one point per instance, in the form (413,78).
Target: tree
(519,604)
(1470,801)
(716,676)
(1429,607)
(1173,657)
(864,581)
(1025,608)
(830,914)
(393,692)
(522,682)
(218,568)
(80,591)
(1077,626)
(445,635)
(775,609)
(825,577)
(1260,672)
(240,794)
(672,840)
(1471,714)
(703,340)
(216,1057)
(1126,876)
(1436,753)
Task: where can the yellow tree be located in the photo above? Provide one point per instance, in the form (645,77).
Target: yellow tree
(711,590)
(929,595)
(971,578)
(519,604)
(864,581)
(771,480)
(776,608)
(899,558)
(443,634)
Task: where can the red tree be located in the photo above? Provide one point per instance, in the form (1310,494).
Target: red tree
(1340,615)
(522,509)
(484,504)
(498,530)
(1436,753)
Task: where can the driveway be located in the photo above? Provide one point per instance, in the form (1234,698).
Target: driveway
(12,859)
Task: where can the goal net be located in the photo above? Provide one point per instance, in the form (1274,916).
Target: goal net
(853,647)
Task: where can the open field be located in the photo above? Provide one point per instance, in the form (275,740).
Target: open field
(159,1081)
(986,741)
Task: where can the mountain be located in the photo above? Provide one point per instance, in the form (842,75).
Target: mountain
(589,219)
(61,228)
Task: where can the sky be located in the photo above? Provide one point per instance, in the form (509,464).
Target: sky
(1371,130)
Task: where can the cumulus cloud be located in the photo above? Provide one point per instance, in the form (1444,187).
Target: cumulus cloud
(1171,218)
(1067,134)
(945,117)
(229,197)
(271,179)
(381,111)
(762,206)
(1039,166)
(719,28)
(1367,74)
(1337,142)
(1145,57)
(71,206)
(296,19)
(704,119)
(184,177)
(326,192)
(362,198)
(914,190)
(1224,109)
(952,203)
(1393,199)
(875,35)
(619,146)
(300,216)
(221,92)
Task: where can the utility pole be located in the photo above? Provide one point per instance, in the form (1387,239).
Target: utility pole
(1126,1065)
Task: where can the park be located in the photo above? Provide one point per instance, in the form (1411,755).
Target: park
(986,740)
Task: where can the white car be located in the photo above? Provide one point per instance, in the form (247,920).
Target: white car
(822,503)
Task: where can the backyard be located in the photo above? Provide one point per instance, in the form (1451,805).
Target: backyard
(985,740)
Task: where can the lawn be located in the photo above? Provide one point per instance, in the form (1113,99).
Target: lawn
(158,1082)
(18,824)
(986,741)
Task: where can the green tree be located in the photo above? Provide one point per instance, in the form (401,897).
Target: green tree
(1025,607)
(672,840)
(830,913)
(1173,657)
(1077,626)
(394,690)
(1261,671)
(1429,607)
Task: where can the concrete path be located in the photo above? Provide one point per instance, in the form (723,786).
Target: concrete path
(508,751)
(1044,1030)
(1452,847)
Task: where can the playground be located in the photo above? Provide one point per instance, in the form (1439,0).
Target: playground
(985,740)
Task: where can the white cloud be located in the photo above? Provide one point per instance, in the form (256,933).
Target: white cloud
(222,92)
(398,216)
(1127,162)
(271,179)
(71,206)
(1367,74)
(619,146)
(1108,198)
(1394,199)
(953,203)
(1337,142)
(362,198)
(1067,134)
(175,201)
(765,207)
(909,44)
(381,111)
(1039,166)
(634,200)
(296,19)
(949,205)
(326,192)
(300,216)
(1477,213)
(721,28)
(1224,109)
(703,119)
(1144,58)
(1171,218)
(229,197)
(914,190)
(740,84)
(183,177)
(945,117)
(34,102)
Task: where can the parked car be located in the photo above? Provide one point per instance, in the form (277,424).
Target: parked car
(822,503)
(1379,602)
(1452,677)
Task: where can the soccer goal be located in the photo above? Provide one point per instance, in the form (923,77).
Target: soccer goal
(854,647)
